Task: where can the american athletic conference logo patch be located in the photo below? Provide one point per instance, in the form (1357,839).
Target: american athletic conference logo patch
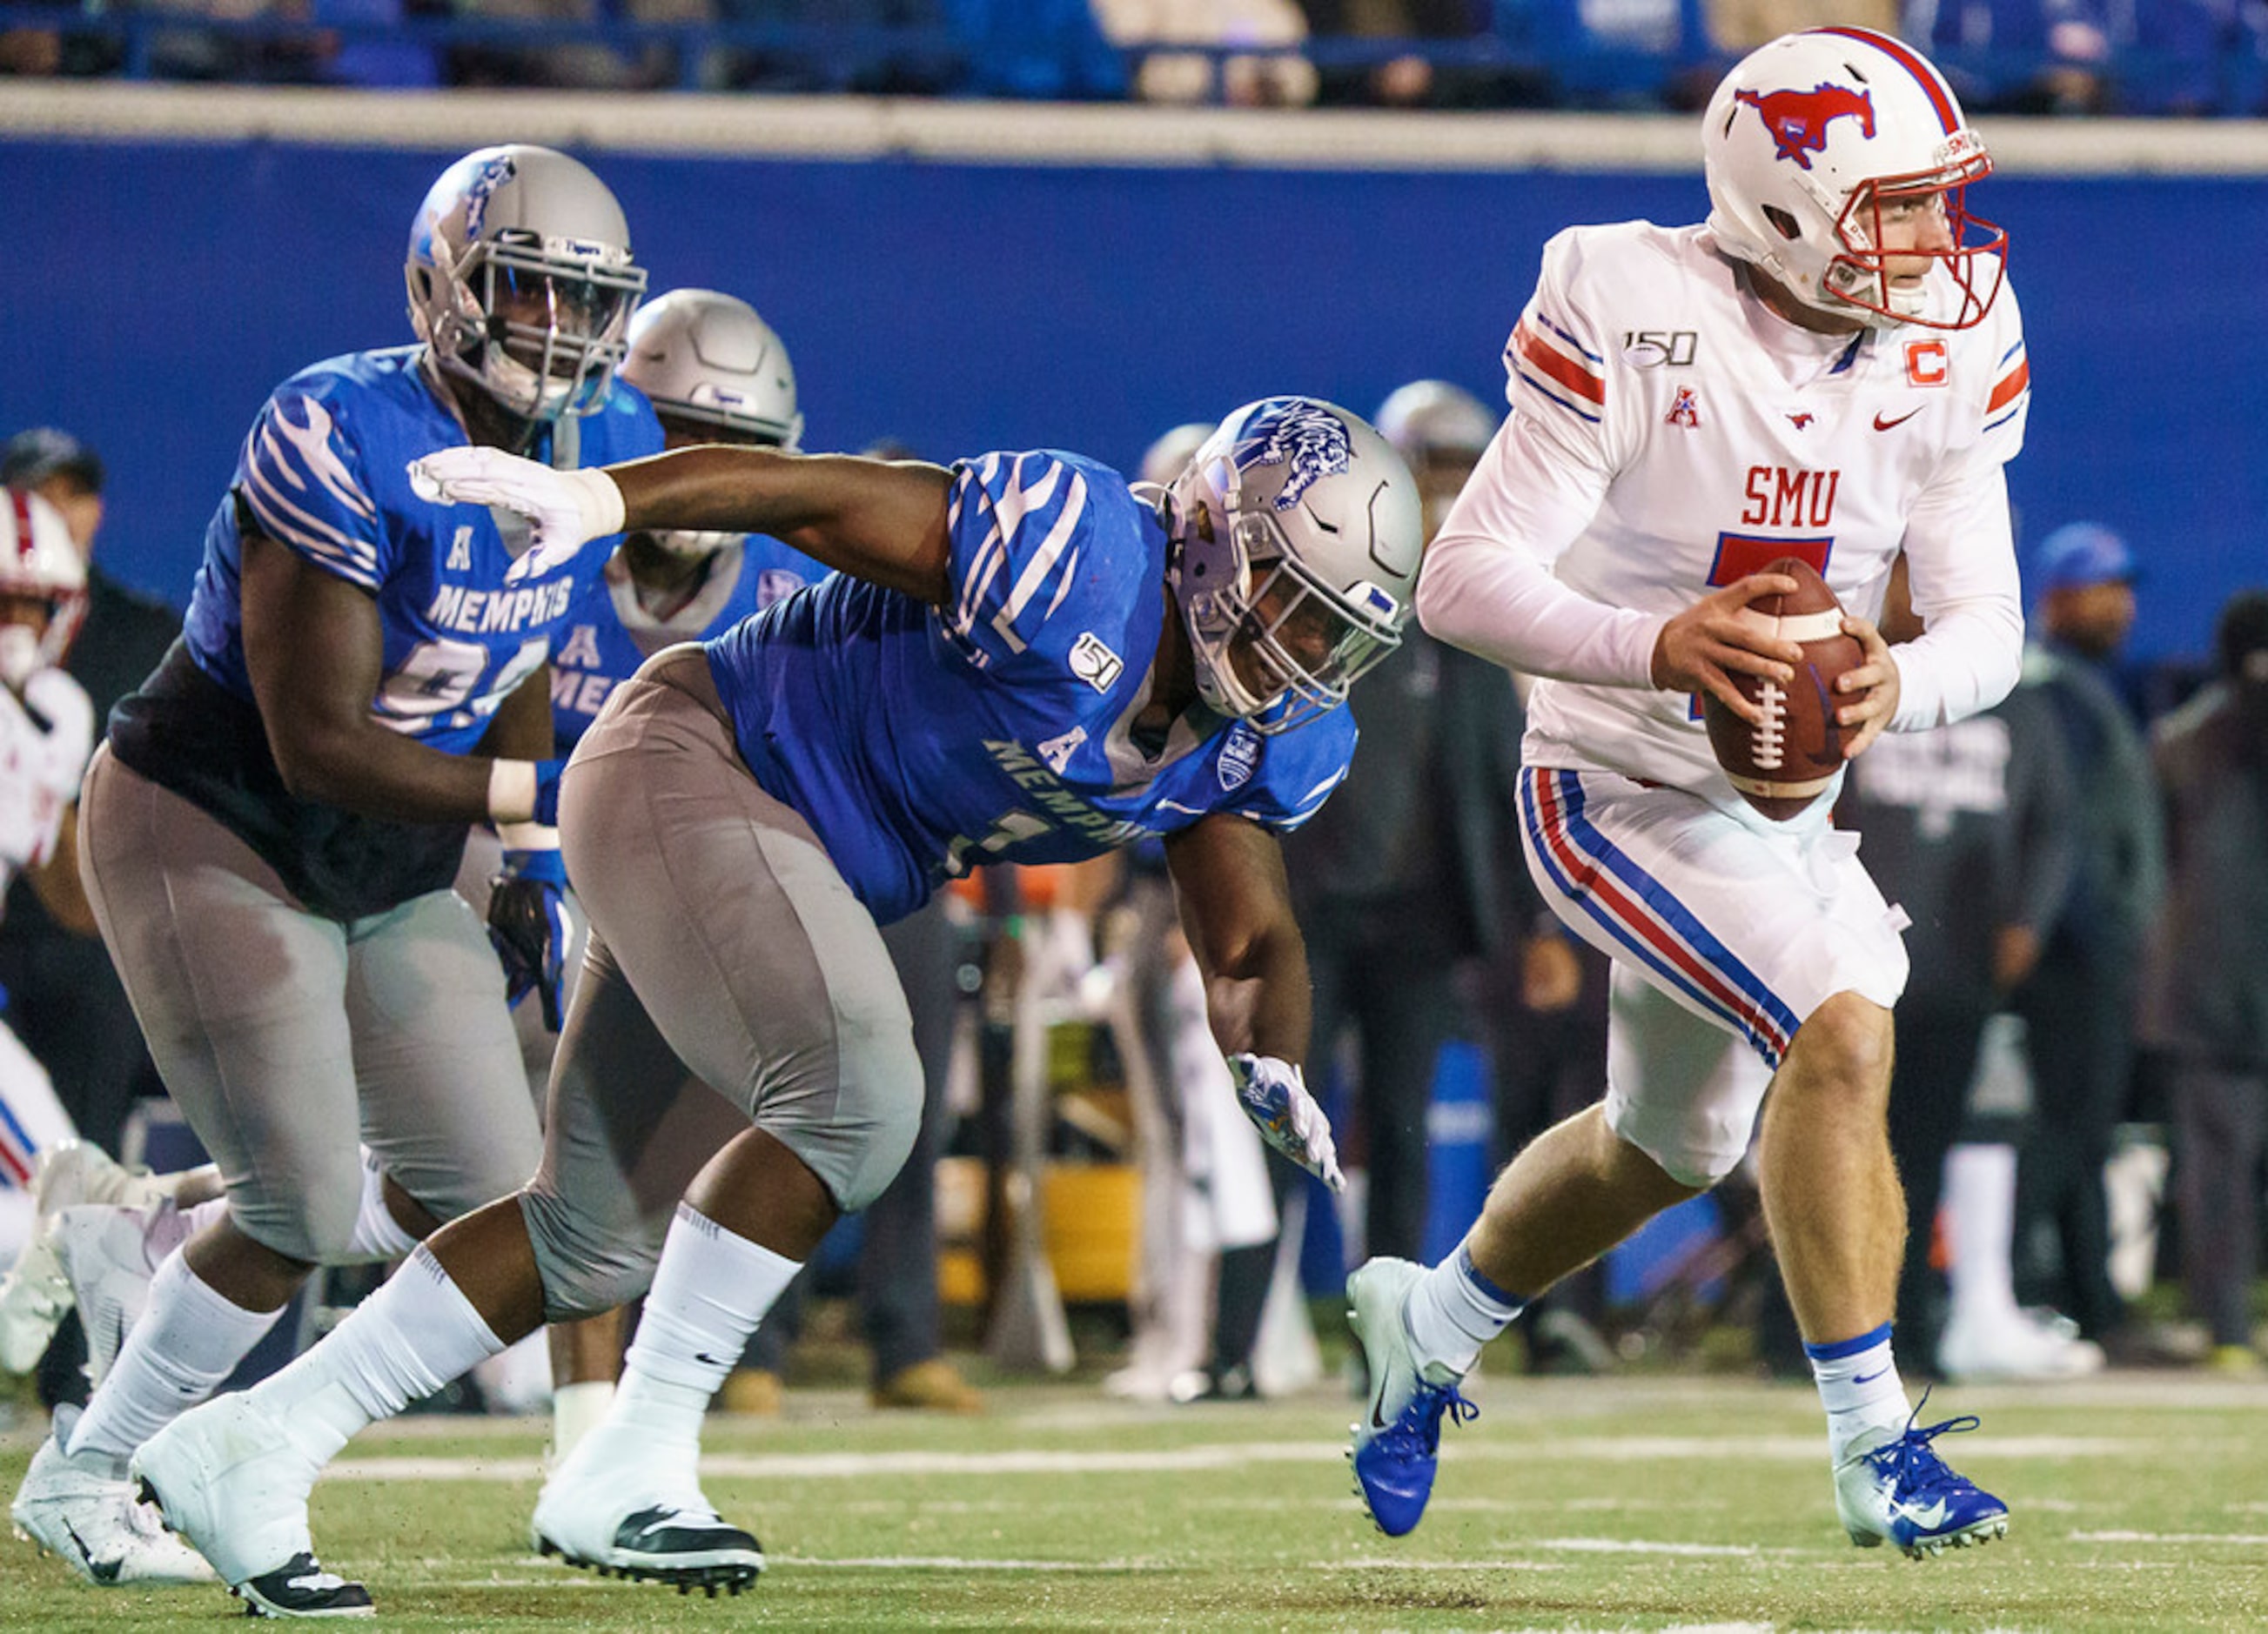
(1313,438)
(1239,757)
(1798,119)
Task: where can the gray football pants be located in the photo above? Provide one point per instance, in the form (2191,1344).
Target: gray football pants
(732,977)
(288,1039)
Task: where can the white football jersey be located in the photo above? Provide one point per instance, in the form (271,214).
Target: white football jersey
(1669,434)
(45,740)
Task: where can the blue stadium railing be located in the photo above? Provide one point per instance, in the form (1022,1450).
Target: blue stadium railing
(1532,49)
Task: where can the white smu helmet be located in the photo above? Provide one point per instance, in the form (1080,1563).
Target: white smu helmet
(1806,142)
(521,280)
(1296,537)
(38,563)
(708,356)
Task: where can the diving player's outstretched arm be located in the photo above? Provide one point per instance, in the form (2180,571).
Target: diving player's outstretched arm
(1236,909)
(315,649)
(883,520)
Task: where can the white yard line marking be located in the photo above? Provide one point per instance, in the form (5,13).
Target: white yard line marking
(2247,1540)
(1214,1455)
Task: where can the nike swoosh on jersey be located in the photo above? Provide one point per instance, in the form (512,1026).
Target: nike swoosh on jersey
(1881,425)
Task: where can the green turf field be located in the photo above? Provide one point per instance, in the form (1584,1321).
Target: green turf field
(2139,1502)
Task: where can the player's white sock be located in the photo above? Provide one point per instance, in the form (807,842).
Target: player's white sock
(1980,1195)
(1859,1387)
(399,1345)
(708,1293)
(1453,1311)
(378,1235)
(188,1341)
(575,1409)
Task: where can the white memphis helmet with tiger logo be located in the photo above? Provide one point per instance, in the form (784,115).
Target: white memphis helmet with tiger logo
(1816,139)
(41,572)
(1297,537)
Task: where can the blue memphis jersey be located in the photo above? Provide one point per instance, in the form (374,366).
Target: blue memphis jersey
(324,471)
(605,639)
(920,742)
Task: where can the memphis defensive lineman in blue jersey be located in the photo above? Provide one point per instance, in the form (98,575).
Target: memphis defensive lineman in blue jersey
(269,835)
(1019,657)
(1005,726)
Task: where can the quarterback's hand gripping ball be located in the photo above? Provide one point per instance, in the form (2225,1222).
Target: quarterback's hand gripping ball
(565,510)
(1274,1095)
(1784,762)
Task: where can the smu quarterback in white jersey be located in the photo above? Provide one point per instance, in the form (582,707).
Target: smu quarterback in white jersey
(1669,435)
(912,770)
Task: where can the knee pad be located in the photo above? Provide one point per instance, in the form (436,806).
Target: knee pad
(856,1138)
(587,1265)
(318,1226)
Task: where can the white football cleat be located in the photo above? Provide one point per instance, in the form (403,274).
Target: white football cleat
(2015,1346)
(83,1509)
(230,1478)
(108,1253)
(1397,1445)
(1891,1487)
(616,1508)
(34,1294)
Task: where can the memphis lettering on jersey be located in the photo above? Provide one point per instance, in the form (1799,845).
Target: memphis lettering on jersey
(1779,498)
(1067,809)
(487,611)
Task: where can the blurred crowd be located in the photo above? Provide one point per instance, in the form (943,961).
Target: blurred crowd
(2172,57)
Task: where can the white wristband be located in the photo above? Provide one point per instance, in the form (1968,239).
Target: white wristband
(511,790)
(528,837)
(600,500)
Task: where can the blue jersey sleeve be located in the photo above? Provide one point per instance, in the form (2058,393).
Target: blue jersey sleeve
(1020,527)
(301,475)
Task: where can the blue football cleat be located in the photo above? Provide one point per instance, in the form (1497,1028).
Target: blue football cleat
(1398,1441)
(1893,1488)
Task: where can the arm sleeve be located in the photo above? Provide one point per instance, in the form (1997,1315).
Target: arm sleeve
(1488,586)
(301,475)
(1962,563)
(1020,528)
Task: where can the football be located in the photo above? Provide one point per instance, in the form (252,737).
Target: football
(1788,760)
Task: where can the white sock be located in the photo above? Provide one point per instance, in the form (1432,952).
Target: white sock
(403,1343)
(378,1235)
(1453,1312)
(1980,1194)
(1859,1387)
(575,1409)
(188,1341)
(708,1293)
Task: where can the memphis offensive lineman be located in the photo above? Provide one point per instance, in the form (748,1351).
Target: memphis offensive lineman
(1023,658)
(268,836)
(1831,368)
(47,732)
(714,371)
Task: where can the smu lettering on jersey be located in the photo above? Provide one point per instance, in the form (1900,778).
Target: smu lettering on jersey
(920,742)
(1717,439)
(609,635)
(325,473)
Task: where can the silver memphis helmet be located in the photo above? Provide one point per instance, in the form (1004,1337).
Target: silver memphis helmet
(1297,536)
(1169,456)
(521,279)
(708,356)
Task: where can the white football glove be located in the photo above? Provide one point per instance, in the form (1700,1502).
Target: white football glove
(1274,1095)
(565,510)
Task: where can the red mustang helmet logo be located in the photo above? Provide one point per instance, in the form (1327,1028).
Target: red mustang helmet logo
(1798,119)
